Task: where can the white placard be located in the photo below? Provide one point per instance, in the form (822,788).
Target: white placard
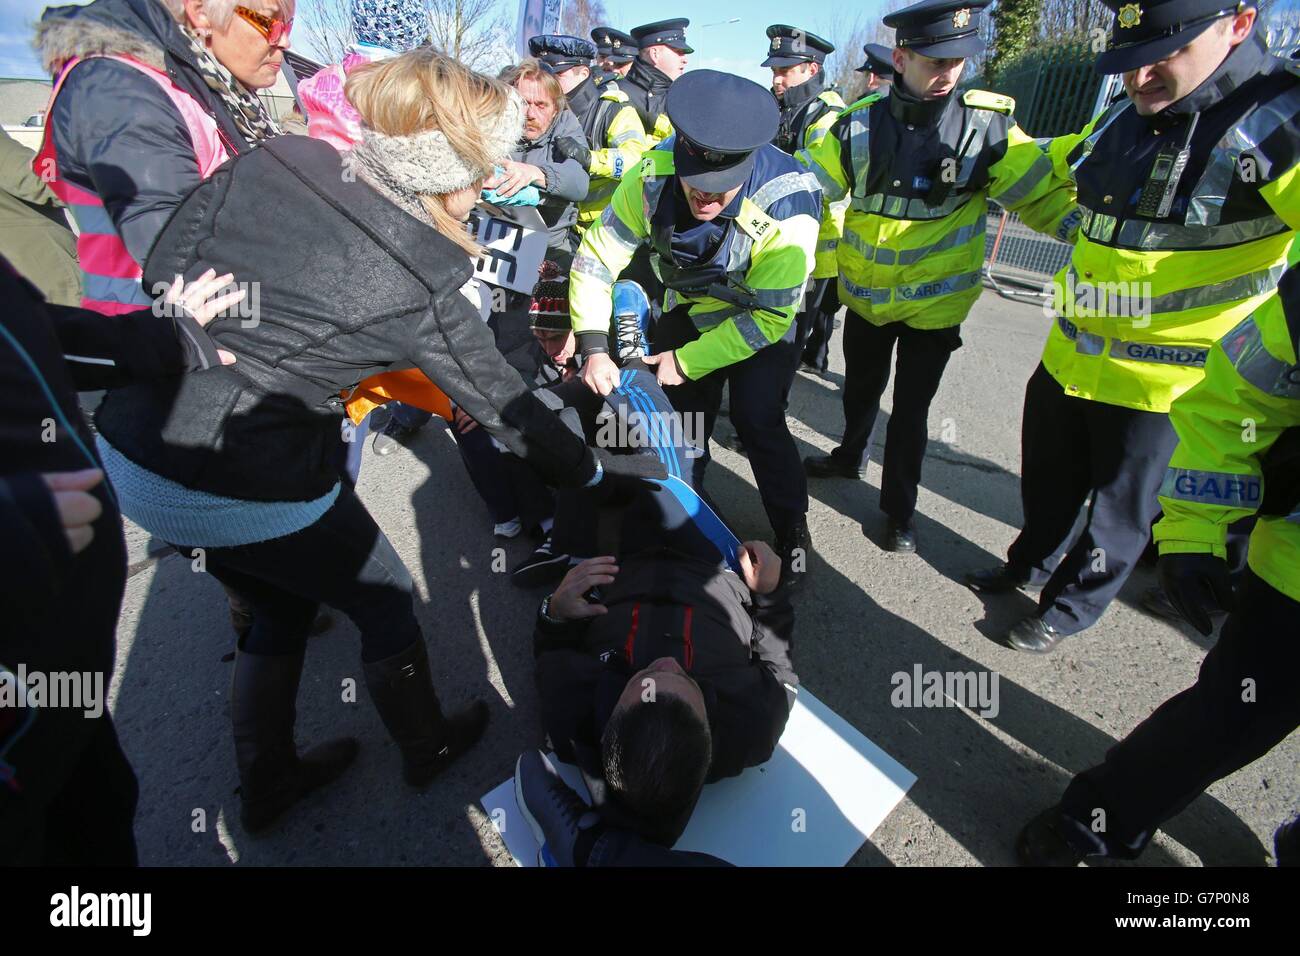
(516,245)
(823,793)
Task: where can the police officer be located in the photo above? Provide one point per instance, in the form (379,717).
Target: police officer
(661,58)
(615,138)
(919,164)
(615,51)
(797,58)
(733,225)
(879,66)
(1189,198)
(1246,698)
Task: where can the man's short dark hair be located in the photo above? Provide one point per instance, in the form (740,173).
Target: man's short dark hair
(656,756)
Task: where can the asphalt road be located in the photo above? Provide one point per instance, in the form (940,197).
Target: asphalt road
(864,615)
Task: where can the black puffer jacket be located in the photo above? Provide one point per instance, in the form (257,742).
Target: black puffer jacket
(348,286)
(734,644)
(116,132)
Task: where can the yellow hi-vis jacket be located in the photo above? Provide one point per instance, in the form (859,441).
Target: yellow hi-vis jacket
(620,139)
(828,239)
(768,248)
(1144,299)
(904,257)
(1226,464)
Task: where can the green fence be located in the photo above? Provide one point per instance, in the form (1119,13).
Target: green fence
(1055,89)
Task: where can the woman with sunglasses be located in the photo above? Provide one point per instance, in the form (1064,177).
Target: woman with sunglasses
(150,97)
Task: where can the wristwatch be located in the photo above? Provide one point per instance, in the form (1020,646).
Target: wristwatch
(545,609)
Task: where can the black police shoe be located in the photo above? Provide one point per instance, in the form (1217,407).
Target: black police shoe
(900,536)
(828,466)
(1034,635)
(556,815)
(541,567)
(997,580)
(1041,842)
(794,550)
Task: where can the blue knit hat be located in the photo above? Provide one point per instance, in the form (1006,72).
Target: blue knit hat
(397,25)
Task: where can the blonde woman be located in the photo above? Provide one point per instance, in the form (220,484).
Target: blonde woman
(242,463)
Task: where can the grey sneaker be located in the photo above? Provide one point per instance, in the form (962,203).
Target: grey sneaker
(555,814)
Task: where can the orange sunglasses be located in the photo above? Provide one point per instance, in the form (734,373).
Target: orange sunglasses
(274,30)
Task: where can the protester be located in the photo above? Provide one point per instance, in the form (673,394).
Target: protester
(240,462)
(538,161)
(163,88)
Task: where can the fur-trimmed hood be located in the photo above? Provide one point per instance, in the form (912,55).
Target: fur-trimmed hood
(142,29)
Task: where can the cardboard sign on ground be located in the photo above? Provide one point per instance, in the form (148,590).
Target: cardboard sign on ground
(823,793)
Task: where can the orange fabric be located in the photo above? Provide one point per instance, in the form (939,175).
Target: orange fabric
(408,386)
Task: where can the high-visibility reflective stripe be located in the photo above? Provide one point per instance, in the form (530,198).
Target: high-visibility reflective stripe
(1115,112)
(824,179)
(1189,356)
(826,245)
(896,207)
(1022,187)
(875,296)
(1198,297)
(787,184)
(1205,207)
(778,298)
(1139,234)
(1085,343)
(750,332)
(888,257)
(1212,487)
(588,266)
(928,290)
(623,137)
(108,289)
(859,150)
(1253,362)
(1162,353)
(1242,287)
(979,128)
(816,134)
(619,231)
(744,320)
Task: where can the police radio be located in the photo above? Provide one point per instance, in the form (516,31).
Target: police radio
(1157,197)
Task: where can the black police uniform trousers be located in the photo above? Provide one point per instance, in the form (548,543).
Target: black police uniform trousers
(1245,701)
(1073,450)
(757,389)
(922,357)
(816,322)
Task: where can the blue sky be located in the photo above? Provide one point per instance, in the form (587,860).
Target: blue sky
(731,47)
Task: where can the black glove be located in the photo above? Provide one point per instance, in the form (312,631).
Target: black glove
(634,466)
(570,148)
(1196,584)
(197,348)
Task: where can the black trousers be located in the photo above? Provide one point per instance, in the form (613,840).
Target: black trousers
(343,560)
(1245,701)
(757,389)
(1074,449)
(817,321)
(922,356)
